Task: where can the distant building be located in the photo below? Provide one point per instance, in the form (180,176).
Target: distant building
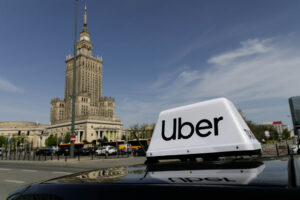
(31,132)
(278,126)
(94,114)
(295,113)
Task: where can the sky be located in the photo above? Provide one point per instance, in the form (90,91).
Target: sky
(156,55)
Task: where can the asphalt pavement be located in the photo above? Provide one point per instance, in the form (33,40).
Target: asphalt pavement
(14,174)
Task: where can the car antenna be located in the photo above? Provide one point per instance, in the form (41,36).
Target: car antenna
(142,146)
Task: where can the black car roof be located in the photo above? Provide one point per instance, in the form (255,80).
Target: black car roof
(236,178)
(251,172)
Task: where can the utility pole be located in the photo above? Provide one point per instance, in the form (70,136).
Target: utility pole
(74,83)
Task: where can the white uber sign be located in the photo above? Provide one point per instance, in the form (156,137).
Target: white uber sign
(213,126)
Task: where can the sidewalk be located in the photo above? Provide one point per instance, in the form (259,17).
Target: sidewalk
(83,163)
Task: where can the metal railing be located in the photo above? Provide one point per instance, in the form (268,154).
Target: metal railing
(34,156)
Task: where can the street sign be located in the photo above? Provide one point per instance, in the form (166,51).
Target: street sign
(73,138)
(8,140)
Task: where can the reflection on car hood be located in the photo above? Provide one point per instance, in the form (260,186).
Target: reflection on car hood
(239,172)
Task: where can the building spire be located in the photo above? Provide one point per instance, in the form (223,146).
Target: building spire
(85,20)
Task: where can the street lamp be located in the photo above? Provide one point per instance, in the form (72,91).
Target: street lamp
(74,83)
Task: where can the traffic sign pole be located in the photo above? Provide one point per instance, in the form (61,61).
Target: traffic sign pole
(74,84)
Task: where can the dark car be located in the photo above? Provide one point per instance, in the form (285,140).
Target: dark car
(270,177)
(87,151)
(62,152)
(139,152)
(44,152)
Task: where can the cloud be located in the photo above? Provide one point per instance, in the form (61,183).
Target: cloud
(258,70)
(249,47)
(6,85)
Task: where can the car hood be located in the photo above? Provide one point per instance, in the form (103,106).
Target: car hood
(254,172)
(249,177)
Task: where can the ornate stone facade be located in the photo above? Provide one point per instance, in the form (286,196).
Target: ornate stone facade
(91,108)
(31,131)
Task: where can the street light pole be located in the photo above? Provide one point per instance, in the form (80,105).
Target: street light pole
(56,141)
(74,83)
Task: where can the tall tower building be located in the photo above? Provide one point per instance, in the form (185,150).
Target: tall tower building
(295,113)
(90,105)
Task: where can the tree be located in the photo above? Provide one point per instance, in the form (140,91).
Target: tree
(123,137)
(259,131)
(286,134)
(150,130)
(144,131)
(3,141)
(51,140)
(67,137)
(134,129)
(105,139)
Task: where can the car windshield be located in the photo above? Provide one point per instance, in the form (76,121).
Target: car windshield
(92,84)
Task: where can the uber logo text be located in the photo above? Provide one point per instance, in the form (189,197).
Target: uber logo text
(197,179)
(202,125)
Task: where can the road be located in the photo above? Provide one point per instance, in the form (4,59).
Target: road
(14,174)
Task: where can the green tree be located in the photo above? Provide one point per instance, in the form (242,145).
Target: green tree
(150,130)
(259,131)
(134,129)
(51,141)
(104,139)
(67,137)
(143,131)
(123,137)
(3,141)
(286,134)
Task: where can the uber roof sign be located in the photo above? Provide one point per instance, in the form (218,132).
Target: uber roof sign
(212,127)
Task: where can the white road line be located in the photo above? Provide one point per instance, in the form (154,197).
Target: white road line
(5,169)
(14,181)
(29,170)
(61,173)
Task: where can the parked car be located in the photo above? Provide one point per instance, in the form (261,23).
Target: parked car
(87,151)
(0,151)
(44,152)
(106,150)
(139,152)
(62,152)
(98,151)
(66,152)
(294,149)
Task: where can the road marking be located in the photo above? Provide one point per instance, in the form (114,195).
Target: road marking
(5,169)
(61,173)
(29,170)
(14,181)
